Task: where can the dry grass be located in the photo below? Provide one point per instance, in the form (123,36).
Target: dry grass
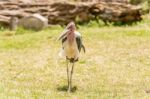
(116,65)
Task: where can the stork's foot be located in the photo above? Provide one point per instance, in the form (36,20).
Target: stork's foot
(73,89)
(65,89)
(69,90)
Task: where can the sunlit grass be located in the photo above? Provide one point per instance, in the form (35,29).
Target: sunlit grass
(116,64)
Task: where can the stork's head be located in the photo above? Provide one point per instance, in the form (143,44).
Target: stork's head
(69,32)
(71,26)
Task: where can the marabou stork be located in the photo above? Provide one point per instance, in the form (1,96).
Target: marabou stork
(71,47)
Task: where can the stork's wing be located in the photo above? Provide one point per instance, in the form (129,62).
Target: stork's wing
(79,42)
(64,39)
(63,35)
(83,48)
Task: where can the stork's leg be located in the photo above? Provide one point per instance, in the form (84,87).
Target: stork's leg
(71,74)
(68,76)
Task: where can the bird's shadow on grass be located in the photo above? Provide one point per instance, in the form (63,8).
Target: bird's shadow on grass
(64,88)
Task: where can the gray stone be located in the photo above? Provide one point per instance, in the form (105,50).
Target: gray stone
(34,22)
(13,23)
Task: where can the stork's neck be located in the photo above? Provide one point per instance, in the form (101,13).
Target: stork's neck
(71,36)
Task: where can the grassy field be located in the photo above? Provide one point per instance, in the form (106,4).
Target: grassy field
(115,66)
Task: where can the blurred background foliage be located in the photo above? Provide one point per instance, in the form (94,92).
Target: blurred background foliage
(145,4)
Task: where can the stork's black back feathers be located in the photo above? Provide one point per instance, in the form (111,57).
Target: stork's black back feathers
(64,39)
(79,43)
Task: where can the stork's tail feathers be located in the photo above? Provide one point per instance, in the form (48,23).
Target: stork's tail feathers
(61,54)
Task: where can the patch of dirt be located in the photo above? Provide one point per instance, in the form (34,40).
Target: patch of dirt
(147,91)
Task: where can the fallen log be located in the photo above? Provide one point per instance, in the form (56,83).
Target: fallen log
(35,10)
(116,12)
(4,19)
(22,5)
(17,13)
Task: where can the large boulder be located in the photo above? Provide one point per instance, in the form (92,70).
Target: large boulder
(34,22)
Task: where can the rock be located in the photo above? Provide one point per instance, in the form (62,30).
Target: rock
(13,23)
(34,22)
(4,19)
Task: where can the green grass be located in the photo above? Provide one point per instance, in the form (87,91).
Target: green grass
(115,66)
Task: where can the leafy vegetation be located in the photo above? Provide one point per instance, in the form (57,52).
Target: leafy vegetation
(145,4)
(116,64)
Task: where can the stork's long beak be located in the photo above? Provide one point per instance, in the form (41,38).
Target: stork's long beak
(63,34)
